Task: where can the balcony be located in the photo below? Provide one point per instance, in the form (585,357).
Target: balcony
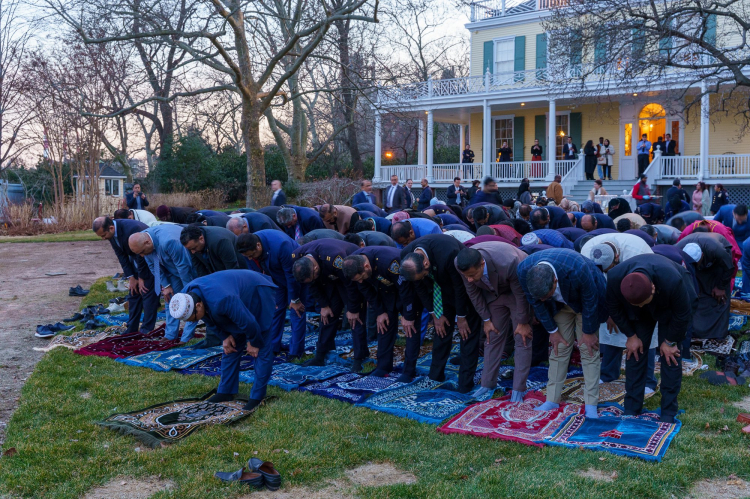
(491,9)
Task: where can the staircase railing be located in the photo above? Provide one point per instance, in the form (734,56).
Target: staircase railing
(571,178)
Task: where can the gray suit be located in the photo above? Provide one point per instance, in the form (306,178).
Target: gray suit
(499,297)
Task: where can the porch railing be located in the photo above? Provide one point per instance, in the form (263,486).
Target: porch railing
(518,170)
(574,174)
(563,167)
(678,166)
(729,165)
(404,172)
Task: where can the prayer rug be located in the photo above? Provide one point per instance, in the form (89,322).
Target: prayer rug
(627,436)
(122,319)
(537,380)
(177,358)
(738,322)
(423,400)
(291,376)
(78,340)
(514,421)
(611,391)
(716,347)
(352,388)
(740,307)
(212,366)
(451,370)
(171,421)
(128,345)
(723,378)
(688,368)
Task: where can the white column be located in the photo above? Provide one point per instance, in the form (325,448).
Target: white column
(705,123)
(551,140)
(486,140)
(430,144)
(462,146)
(378,152)
(420,150)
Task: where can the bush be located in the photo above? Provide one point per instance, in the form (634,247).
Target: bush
(275,166)
(190,165)
(205,199)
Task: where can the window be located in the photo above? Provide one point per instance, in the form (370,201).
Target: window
(111,187)
(628,139)
(503,133)
(562,130)
(505,58)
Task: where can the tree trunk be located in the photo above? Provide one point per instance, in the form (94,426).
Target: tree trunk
(257,194)
(351,140)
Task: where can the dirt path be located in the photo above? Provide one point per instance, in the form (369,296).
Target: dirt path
(28,298)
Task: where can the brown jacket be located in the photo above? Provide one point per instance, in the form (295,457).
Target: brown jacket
(555,191)
(343,219)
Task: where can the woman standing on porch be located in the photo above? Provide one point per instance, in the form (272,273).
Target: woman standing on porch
(607,151)
(536,155)
(590,161)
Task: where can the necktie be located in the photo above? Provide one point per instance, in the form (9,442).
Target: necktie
(437,298)
(297,233)
(154,259)
(390,196)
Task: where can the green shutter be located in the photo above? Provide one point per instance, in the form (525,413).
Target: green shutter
(576,52)
(540,132)
(710,36)
(600,54)
(576,130)
(639,42)
(541,55)
(665,41)
(518,129)
(519,63)
(489,57)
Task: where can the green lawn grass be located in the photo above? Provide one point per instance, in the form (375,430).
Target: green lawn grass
(62,237)
(62,453)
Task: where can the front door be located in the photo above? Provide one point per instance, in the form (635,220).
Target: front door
(627,167)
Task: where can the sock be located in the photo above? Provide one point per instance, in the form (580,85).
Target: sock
(480,392)
(547,406)
(591,411)
(517,396)
(251,404)
(379,373)
(356,365)
(405,378)
(221,397)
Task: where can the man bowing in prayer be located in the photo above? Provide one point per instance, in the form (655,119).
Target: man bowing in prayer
(236,304)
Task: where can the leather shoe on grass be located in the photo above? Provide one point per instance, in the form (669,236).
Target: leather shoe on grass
(78,291)
(44,332)
(94,324)
(271,476)
(247,477)
(76,317)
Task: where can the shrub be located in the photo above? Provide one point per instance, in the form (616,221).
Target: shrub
(189,166)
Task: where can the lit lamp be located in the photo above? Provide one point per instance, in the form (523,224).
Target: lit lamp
(388,154)
(562,134)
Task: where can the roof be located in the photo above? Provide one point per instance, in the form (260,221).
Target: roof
(106,171)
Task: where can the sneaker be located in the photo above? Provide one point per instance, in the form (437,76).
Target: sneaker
(115,308)
(112,288)
(59,326)
(44,332)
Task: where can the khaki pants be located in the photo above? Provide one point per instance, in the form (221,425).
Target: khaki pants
(570,327)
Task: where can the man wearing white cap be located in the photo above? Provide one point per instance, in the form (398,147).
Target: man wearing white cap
(239,305)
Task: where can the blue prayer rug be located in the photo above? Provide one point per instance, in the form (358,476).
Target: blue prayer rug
(176,358)
(291,376)
(423,400)
(212,366)
(737,322)
(352,388)
(122,319)
(451,370)
(537,380)
(627,436)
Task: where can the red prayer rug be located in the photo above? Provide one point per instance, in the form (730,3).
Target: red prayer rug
(506,420)
(127,345)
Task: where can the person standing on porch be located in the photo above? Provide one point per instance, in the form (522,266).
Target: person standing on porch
(504,153)
(643,147)
(670,146)
(600,157)
(608,152)
(590,162)
(425,197)
(570,151)
(536,155)
(467,158)
(555,190)
(658,146)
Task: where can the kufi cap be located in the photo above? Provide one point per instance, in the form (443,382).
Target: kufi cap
(181,306)
(529,239)
(636,288)
(693,251)
(603,255)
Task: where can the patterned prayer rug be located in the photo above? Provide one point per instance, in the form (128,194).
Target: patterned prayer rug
(172,421)
(738,322)
(78,340)
(715,347)
(424,400)
(688,368)
(537,380)
(128,345)
(628,436)
(352,388)
(291,376)
(212,366)
(741,307)
(612,391)
(177,358)
(122,319)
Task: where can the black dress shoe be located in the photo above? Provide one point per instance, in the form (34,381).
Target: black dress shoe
(93,324)
(379,373)
(78,291)
(405,378)
(315,361)
(221,397)
(76,317)
(356,365)
(271,476)
(251,478)
(100,309)
(455,360)
(251,404)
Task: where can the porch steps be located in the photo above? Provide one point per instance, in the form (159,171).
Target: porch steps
(580,192)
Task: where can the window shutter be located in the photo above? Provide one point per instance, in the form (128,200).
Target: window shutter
(518,129)
(710,36)
(519,63)
(665,41)
(541,55)
(540,132)
(600,54)
(489,57)
(639,43)
(576,130)
(576,52)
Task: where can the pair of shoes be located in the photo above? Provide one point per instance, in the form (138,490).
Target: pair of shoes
(271,476)
(44,331)
(250,478)
(78,291)
(123,286)
(94,324)
(76,317)
(111,287)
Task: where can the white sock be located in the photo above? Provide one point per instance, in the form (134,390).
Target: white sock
(591,411)
(547,406)
(480,391)
(517,396)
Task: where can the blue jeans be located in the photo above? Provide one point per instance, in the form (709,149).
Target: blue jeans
(612,360)
(599,170)
(230,367)
(299,324)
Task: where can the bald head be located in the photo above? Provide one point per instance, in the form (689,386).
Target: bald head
(140,243)
(237,225)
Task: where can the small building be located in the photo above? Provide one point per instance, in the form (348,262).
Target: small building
(111,182)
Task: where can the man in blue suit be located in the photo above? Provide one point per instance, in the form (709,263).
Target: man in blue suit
(378,224)
(547,236)
(298,221)
(136,200)
(170,263)
(140,297)
(425,197)
(549,217)
(278,198)
(734,216)
(371,207)
(365,195)
(235,303)
(251,222)
(270,252)
(567,292)
(407,231)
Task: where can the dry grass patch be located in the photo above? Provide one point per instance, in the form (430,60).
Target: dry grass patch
(598,475)
(129,488)
(721,488)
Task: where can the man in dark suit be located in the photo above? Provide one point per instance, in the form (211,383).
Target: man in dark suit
(136,200)
(212,249)
(379,224)
(642,292)
(365,195)
(567,293)
(488,194)
(298,221)
(370,207)
(488,214)
(395,197)
(252,223)
(570,151)
(491,281)
(456,193)
(658,145)
(593,221)
(278,198)
(670,146)
(549,217)
(428,262)
(270,252)
(141,281)
(320,264)
(173,214)
(425,197)
(219,220)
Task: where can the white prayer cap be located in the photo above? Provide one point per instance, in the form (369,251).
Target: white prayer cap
(693,251)
(529,239)
(181,306)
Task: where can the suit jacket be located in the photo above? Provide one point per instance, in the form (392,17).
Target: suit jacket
(400,201)
(374,238)
(129,261)
(497,214)
(554,238)
(363,197)
(441,250)
(173,259)
(132,201)
(219,253)
(179,215)
(671,148)
(276,260)
(237,303)
(502,261)
(307,219)
(492,197)
(572,233)
(581,284)
(258,221)
(570,151)
(280,199)
(371,207)
(316,234)
(451,194)
(557,218)
(672,306)
(716,268)
(217,220)
(424,198)
(382,225)
(270,212)
(450,219)
(381,290)
(661,147)
(343,219)
(330,254)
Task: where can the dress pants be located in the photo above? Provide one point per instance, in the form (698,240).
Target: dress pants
(372,324)
(441,349)
(643,161)
(612,362)
(570,326)
(495,346)
(327,337)
(230,367)
(539,345)
(387,340)
(148,303)
(745,262)
(299,324)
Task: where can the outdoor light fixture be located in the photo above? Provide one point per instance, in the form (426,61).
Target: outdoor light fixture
(635,95)
(389,154)
(562,134)
(523,103)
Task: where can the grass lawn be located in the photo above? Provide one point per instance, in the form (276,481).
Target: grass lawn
(62,237)
(61,453)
